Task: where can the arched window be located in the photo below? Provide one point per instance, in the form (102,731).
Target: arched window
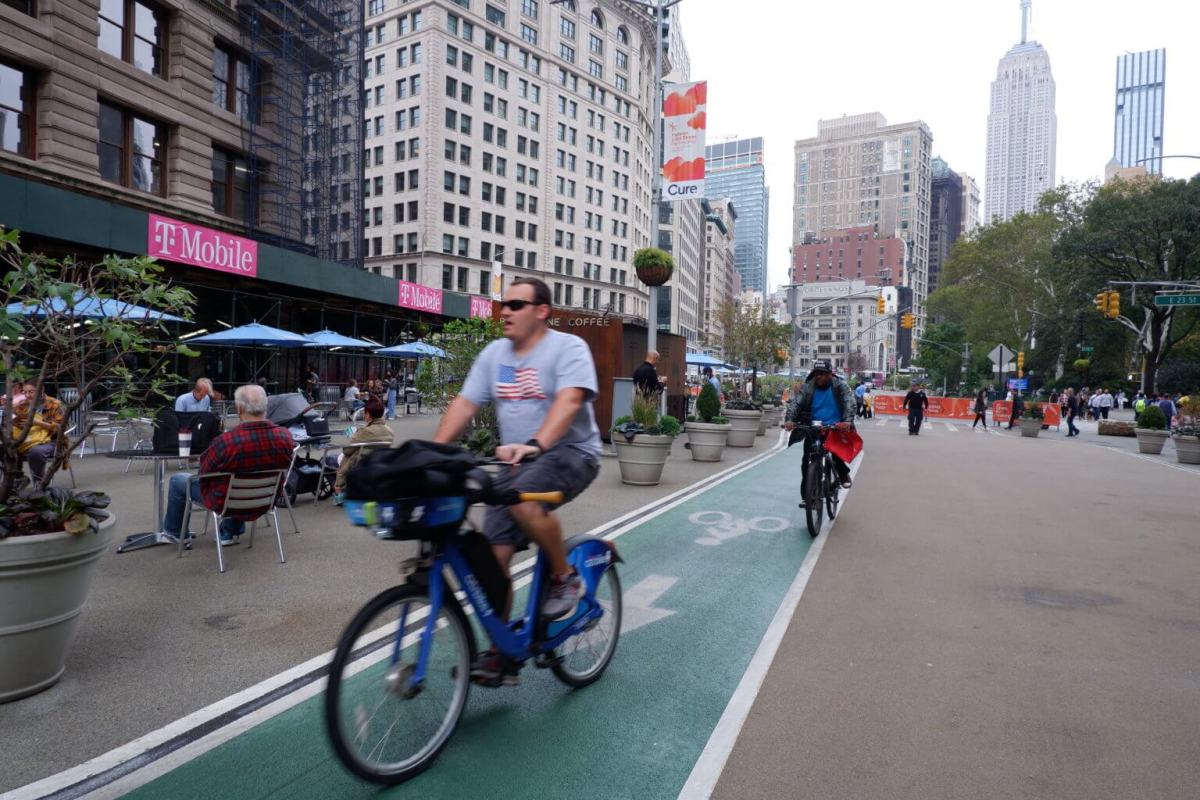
(597,18)
(570,5)
(622,35)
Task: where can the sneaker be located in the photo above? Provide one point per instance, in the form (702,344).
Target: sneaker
(563,598)
(228,541)
(493,670)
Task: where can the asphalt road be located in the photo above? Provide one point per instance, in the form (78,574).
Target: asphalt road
(991,617)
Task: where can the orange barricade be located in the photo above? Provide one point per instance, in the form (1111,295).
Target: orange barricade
(941,407)
(1002,410)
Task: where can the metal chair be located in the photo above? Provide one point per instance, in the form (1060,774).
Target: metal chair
(411,397)
(359,447)
(141,431)
(256,492)
(105,423)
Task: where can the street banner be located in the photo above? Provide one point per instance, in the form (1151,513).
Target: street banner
(497,280)
(684,123)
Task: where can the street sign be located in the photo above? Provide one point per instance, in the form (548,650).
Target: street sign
(1001,358)
(1019,383)
(1177,300)
(1086,349)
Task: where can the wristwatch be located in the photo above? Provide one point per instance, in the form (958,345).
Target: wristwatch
(537,444)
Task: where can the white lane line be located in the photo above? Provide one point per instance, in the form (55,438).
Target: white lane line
(1151,459)
(707,771)
(160,766)
(951,426)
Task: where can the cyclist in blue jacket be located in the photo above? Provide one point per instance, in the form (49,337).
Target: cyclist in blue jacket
(827,399)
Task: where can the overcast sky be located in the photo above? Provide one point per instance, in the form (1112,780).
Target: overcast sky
(775,67)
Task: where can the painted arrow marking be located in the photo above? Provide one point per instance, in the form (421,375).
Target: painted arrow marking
(638,608)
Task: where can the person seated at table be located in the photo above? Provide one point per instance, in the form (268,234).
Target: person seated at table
(198,399)
(39,445)
(351,396)
(256,445)
(376,430)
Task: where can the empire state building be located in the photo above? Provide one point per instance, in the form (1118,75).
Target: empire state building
(1022,129)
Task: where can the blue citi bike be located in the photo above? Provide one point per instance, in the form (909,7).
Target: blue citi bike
(400,676)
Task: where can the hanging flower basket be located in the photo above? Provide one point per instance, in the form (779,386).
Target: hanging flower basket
(654,267)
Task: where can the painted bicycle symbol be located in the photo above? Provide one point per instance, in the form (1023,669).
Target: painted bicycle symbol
(721,526)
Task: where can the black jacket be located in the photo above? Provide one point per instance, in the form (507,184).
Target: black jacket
(916,401)
(645,378)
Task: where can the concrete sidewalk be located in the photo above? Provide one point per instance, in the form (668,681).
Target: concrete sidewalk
(163,636)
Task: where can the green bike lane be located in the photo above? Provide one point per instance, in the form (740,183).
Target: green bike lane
(702,582)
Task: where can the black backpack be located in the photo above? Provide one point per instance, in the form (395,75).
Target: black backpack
(204,425)
(415,469)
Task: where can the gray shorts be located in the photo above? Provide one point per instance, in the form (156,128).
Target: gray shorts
(561,469)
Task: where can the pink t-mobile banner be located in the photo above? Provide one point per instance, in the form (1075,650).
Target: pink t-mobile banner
(198,246)
(419,298)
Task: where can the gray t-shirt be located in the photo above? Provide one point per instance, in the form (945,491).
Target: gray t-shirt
(524,388)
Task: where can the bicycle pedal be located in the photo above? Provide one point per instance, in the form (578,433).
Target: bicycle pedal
(547,661)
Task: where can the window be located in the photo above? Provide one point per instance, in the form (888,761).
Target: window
(622,60)
(26,6)
(485,280)
(495,15)
(447,270)
(597,19)
(622,83)
(567,53)
(596,70)
(566,27)
(452,55)
(529,8)
(134,31)
(464,276)
(622,35)
(233,84)
(529,34)
(17,93)
(595,44)
(131,149)
(376,7)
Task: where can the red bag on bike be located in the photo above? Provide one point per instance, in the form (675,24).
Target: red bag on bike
(844,444)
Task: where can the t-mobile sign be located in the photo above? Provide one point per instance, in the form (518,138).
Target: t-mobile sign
(186,243)
(481,307)
(419,298)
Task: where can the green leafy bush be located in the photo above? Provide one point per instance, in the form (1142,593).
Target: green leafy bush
(1033,411)
(708,404)
(1152,418)
(31,510)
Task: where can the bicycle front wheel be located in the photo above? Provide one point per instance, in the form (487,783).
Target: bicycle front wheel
(832,488)
(585,656)
(385,727)
(814,505)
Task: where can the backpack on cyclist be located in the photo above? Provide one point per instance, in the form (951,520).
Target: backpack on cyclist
(415,469)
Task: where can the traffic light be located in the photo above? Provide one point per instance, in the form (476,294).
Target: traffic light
(1021,364)
(1113,307)
(1101,303)
(880,305)
(907,321)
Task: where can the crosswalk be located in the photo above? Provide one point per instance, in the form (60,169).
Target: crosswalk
(934,426)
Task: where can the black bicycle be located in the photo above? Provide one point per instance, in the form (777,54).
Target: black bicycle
(821,479)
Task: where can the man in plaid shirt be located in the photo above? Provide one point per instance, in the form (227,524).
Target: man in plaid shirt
(256,445)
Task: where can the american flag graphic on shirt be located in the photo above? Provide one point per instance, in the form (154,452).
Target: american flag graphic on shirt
(518,383)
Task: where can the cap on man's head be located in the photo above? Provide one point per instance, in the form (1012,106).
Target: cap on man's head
(822,365)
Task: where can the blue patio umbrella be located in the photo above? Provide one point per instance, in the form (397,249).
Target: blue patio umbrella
(702,360)
(328,339)
(412,350)
(91,307)
(253,334)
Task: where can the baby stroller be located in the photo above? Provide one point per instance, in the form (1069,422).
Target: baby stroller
(308,425)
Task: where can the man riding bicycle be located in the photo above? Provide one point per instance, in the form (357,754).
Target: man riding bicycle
(827,399)
(542,383)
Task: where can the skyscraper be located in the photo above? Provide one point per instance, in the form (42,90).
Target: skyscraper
(970,203)
(1138,128)
(945,218)
(735,170)
(1022,129)
(860,171)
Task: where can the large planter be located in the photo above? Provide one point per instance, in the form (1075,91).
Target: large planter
(1030,427)
(1151,441)
(745,427)
(706,440)
(1187,449)
(44,583)
(641,461)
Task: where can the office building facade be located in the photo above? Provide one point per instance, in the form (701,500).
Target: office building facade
(971,202)
(516,134)
(840,321)
(847,255)
(945,218)
(720,285)
(1022,129)
(1138,121)
(858,171)
(736,170)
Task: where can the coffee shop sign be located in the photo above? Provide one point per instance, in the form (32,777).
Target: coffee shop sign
(198,246)
(582,322)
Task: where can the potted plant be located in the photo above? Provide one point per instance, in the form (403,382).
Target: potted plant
(744,416)
(74,325)
(1151,430)
(654,267)
(1187,435)
(643,442)
(707,430)
(1031,420)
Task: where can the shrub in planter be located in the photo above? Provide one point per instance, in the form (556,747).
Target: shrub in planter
(1031,420)
(643,442)
(1151,430)
(1187,435)
(707,434)
(744,416)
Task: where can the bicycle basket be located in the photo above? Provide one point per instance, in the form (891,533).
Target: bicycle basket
(408,518)
(415,469)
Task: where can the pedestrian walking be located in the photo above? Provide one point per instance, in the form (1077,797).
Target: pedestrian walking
(1139,405)
(1072,410)
(708,376)
(980,409)
(1018,407)
(860,392)
(916,402)
(1122,400)
(392,382)
(1105,403)
(1094,406)
(1168,408)
(868,404)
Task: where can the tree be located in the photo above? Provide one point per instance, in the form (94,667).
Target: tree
(1141,230)
(941,354)
(753,339)
(439,380)
(77,328)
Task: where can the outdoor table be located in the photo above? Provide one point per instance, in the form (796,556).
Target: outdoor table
(139,541)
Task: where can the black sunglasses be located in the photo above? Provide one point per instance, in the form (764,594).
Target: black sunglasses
(517,305)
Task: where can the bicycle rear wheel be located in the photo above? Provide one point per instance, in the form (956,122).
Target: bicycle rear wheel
(813,504)
(383,728)
(585,656)
(832,487)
